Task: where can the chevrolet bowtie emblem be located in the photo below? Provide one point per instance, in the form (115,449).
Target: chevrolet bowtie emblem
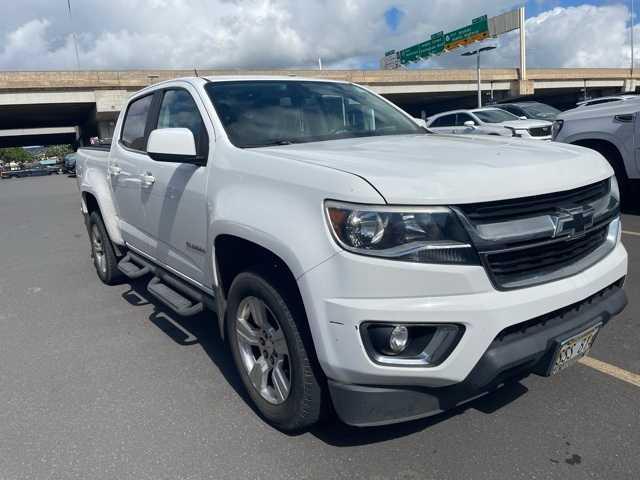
(572,222)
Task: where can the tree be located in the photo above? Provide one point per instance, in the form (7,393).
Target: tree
(58,151)
(15,154)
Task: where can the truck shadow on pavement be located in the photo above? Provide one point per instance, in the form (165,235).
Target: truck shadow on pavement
(202,329)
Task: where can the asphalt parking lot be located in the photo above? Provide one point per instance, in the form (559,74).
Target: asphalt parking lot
(101,382)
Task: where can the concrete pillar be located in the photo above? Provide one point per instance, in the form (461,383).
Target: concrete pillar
(630,85)
(521,88)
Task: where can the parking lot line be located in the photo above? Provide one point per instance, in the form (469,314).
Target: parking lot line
(628,232)
(611,370)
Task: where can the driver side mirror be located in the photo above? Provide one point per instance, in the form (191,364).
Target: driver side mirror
(470,124)
(172,145)
(523,118)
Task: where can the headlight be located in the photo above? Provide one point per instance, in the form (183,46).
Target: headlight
(555,129)
(516,132)
(410,234)
(615,189)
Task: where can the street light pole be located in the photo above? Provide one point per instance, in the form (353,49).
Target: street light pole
(477,53)
(632,40)
(479,83)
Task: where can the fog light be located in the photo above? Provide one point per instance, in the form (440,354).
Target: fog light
(416,345)
(398,339)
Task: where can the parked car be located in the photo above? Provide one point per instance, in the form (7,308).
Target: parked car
(610,129)
(39,171)
(489,121)
(69,166)
(353,258)
(15,173)
(531,110)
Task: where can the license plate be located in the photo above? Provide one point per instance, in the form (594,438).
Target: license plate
(573,349)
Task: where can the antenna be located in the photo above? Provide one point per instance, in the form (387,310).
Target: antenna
(195,70)
(73,33)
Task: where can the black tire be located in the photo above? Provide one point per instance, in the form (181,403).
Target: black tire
(305,404)
(625,185)
(105,261)
(611,154)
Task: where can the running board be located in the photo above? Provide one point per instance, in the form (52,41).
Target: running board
(175,293)
(173,299)
(133,266)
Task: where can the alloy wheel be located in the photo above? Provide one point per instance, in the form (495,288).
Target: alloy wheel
(263,350)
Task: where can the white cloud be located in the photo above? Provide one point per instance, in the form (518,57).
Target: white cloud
(281,33)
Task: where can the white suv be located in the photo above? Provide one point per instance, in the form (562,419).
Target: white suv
(489,121)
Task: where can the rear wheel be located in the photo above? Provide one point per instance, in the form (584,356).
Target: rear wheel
(102,251)
(272,352)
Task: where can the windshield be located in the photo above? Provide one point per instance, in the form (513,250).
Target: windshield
(264,113)
(541,111)
(494,116)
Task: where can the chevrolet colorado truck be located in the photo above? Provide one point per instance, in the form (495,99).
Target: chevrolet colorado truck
(356,263)
(612,129)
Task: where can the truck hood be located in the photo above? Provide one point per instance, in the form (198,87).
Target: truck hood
(448,169)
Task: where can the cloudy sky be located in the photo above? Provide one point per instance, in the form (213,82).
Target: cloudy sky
(119,34)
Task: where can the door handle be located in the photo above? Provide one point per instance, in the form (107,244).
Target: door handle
(148,179)
(115,170)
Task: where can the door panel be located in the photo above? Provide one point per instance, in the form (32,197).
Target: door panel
(173,196)
(176,216)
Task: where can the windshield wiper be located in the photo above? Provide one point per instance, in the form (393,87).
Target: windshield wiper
(270,143)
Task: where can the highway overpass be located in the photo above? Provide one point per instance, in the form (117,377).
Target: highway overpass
(91,100)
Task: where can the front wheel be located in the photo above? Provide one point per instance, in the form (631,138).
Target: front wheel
(273,353)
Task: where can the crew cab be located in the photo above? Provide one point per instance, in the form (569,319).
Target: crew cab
(354,259)
(489,121)
(613,130)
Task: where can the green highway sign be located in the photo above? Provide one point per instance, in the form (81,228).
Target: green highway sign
(478,30)
(441,42)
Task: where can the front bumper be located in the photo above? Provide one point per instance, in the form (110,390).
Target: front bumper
(347,290)
(514,353)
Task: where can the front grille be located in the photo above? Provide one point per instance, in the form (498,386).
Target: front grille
(512,266)
(525,255)
(505,210)
(540,131)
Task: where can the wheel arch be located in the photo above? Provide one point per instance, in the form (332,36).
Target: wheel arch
(95,201)
(235,254)
(608,149)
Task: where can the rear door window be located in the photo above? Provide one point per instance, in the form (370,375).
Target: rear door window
(134,128)
(446,121)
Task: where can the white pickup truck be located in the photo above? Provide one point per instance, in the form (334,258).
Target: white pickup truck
(355,260)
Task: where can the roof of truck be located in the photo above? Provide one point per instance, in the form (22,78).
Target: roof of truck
(608,99)
(292,77)
(235,78)
(602,110)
